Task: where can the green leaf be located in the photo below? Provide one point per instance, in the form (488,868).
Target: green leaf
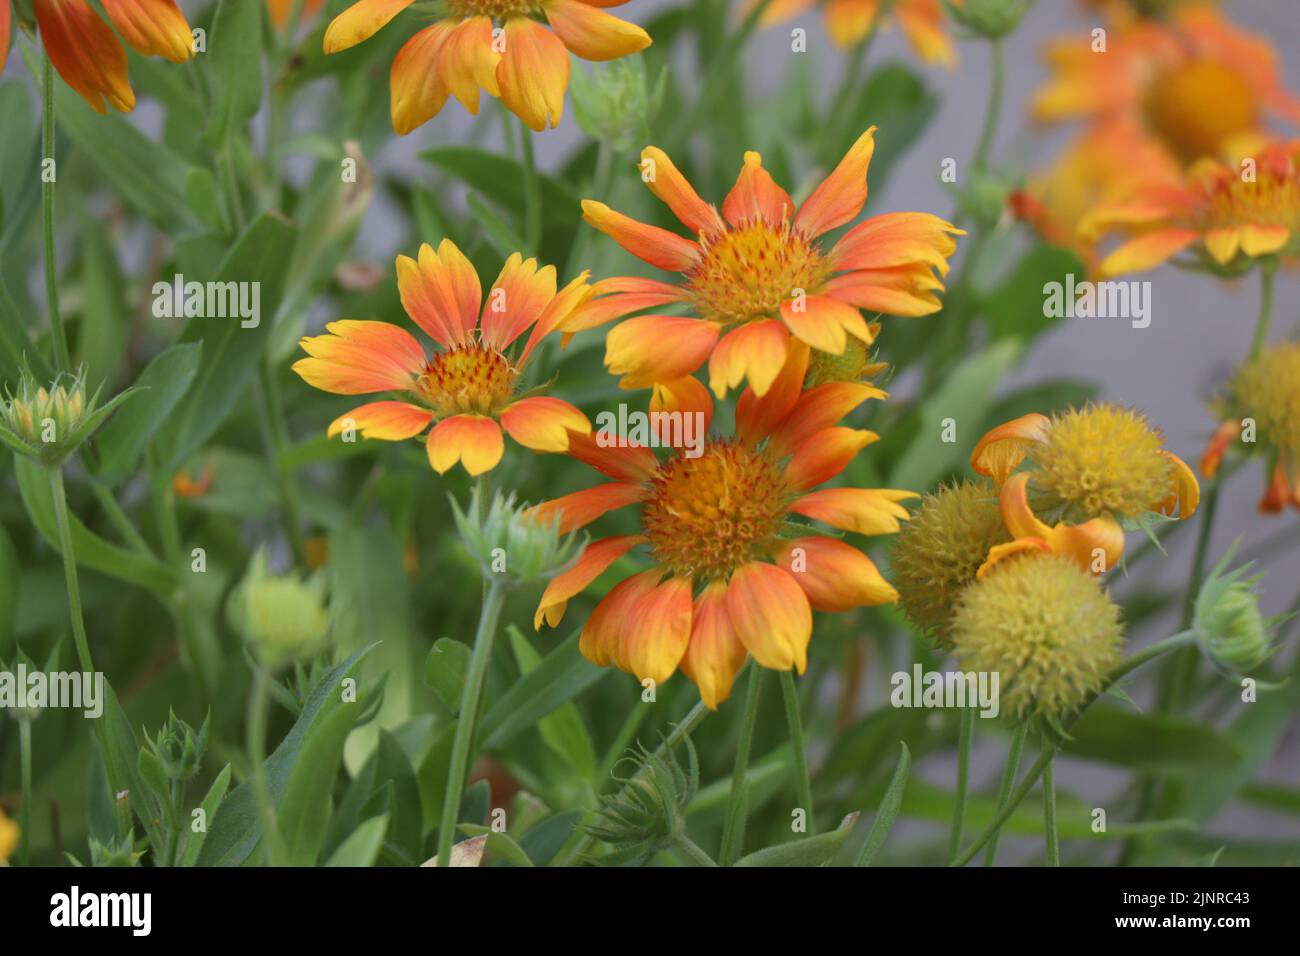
(16,344)
(230,351)
(562,675)
(20,158)
(10,575)
(1016,307)
(167,378)
(92,551)
(105,327)
(444,671)
(236,66)
(811,851)
(863,843)
(236,830)
(210,804)
(363,846)
(965,396)
(1152,743)
(562,729)
(500,844)
(303,812)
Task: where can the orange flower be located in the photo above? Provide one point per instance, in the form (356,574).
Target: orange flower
(756,275)
(186,486)
(469,387)
(89,56)
(281,10)
(498,46)
(1193,81)
(1092,468)
(1230,217)
(731,574)
(850,21)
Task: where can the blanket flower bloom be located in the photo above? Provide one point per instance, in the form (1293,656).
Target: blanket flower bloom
(731,574)
(849,22)
(1265,391)
(939,551)
(1048,628)
(87,53)
(468,388)
(498,46)
(1090,468)
(1192,80)
(756,276)
(1229,215)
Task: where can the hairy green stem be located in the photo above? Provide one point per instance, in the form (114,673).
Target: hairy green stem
(993,111)
(463,742)
(965,735)
(259,715)
(1049,817)
(790,694)
(1008,780)
(277,435)
(58,334)
(733,829)
(690,851)
(1265,310)
(25,783)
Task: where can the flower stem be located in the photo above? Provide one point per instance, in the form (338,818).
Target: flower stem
(797,744)
(1181,639)
(60,498)
(965,734)
(1008,779)
(1265,309)
(277,440)
(581,841)
(993,112)
(259,713)
(532,193)
(733,830)
(1049,816)
(722,62)
(834,132)
(463,743)
(690,851)
(25,776)
(57,333)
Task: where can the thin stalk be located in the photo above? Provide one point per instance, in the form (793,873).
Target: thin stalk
(1008,779)
(463,743)
(790,694)
(1183,667)
(1265,310)
(25,778)
(259,714)
(965,735)
(532,193)
(993,111)
(1049,817)
(57,332)
(119,519)
(582,841)
(1182,639)
(713,82)
(60,499)
(278,436)
(733,829)
(843,102)
(690,851)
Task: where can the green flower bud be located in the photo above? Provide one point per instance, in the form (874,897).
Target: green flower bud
(283,617)
(990,19)
(648,812)
(615,105)
(179,748)
(21,665)
(47,424)
(508,543)
(1227,621)
(116,852)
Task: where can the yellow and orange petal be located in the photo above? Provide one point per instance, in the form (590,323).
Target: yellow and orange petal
(1001,450)
(473,440)
(386,421)
(357,358)
(850,22)
(834,575)
(86,53)
(715,653)
(771,615)
(595,559)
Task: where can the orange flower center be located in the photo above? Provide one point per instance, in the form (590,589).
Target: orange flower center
(707,516)
(468,379)
(497,9)
(1196,107)
(748,271)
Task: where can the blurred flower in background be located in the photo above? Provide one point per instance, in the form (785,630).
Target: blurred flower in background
(850,22)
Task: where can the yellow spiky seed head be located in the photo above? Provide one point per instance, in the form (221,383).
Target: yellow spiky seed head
(1047,627)
(1102,460)
(937,552)
(1267,389)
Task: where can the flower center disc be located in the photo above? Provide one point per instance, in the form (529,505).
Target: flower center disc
(497,9)
(1269,200)
(709,515)
(750,270)
(470,379)
(1196,107)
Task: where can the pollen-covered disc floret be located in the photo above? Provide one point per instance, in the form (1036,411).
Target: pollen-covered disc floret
(497,9)
(937,553)
(752,269)
(1267,389)
(1103,460)
(1046,627)
(707,516)
(470,378)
